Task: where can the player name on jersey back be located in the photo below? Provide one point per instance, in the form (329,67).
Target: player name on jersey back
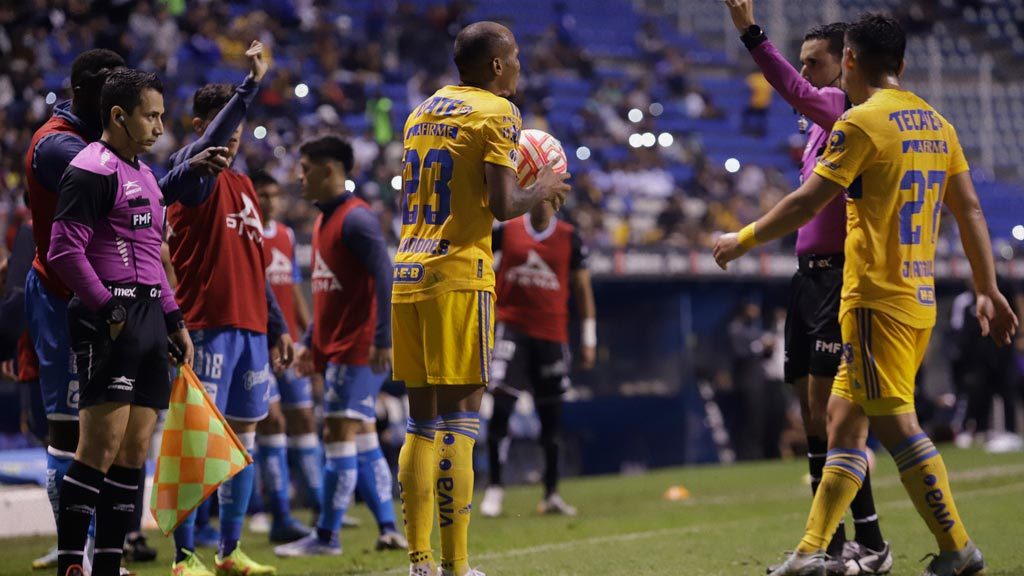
(445,242)
(895,154)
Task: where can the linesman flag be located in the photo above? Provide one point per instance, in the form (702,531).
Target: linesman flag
(198,453)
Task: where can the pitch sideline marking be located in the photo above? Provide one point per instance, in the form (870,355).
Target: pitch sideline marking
(681,530)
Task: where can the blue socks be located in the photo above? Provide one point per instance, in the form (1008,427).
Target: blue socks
(184,537)
(272,460)
(338,486)
(306,455)
(375,482)
(234,501)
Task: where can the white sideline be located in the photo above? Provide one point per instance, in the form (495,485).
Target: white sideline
(26,512)
(964,494)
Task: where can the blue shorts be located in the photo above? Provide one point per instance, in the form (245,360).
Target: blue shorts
(47,316)
(234,367)
(292,390)
(350,391)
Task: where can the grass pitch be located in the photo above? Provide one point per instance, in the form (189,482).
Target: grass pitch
(737,519)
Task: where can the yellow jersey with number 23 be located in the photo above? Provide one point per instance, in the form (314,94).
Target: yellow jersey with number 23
(894,154)
(446,222)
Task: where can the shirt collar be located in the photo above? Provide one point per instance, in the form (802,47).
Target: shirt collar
(329,206)
(63,110)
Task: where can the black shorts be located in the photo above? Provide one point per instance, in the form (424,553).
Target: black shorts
(134,368)
(813,339)
(522,363)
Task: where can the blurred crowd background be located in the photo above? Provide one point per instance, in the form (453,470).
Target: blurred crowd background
(669,140)
(671,133)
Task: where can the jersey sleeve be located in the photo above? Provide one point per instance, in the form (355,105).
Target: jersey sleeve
(363,237)
(821,105)
(181,181)
(578,258)
(85,197)
(276,324)
(849,152)
(957,159)
(51,157)
(501,138)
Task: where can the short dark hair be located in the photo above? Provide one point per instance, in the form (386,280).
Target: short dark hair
(91,68)
(329,147)
(478,44)
(879,42)
(124,88)
(262,178)
(209,99)
(834,33)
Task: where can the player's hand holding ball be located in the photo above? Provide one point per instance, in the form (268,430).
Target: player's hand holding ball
(552,187)
(541,164)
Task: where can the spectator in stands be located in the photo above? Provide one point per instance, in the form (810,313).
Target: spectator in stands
(755,116)
(673,72)
(670,223)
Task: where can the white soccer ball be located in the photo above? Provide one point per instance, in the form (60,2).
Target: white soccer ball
(537,149)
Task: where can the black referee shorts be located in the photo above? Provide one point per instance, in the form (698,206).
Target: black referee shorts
(813,339)
(132,369)
(522,363)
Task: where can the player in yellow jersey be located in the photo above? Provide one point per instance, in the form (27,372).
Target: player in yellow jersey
(898,160)
(460,174)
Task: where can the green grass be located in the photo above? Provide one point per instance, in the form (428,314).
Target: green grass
(738,519)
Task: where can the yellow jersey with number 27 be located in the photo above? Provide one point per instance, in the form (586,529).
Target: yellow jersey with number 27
(894,154)
(446,222)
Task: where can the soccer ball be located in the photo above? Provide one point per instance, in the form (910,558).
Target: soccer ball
(537,149)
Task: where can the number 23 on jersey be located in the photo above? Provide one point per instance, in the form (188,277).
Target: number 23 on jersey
(426,196)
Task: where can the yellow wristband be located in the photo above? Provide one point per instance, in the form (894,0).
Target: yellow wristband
(746,236)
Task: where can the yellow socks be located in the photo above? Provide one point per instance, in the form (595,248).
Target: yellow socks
(924,476)
(416,465)
(456,435)
(841,479)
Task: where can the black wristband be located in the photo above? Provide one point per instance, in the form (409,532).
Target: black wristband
(753,37)
(174,321)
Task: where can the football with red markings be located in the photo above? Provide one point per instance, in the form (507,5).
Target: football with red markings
(536,149)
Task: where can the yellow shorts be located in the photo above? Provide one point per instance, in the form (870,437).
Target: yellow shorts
(444,340)
(880,361)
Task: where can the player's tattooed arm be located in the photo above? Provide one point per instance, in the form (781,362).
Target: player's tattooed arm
(507,200)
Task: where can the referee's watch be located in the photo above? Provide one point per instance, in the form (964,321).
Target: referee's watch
(753,37)
(114,312)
